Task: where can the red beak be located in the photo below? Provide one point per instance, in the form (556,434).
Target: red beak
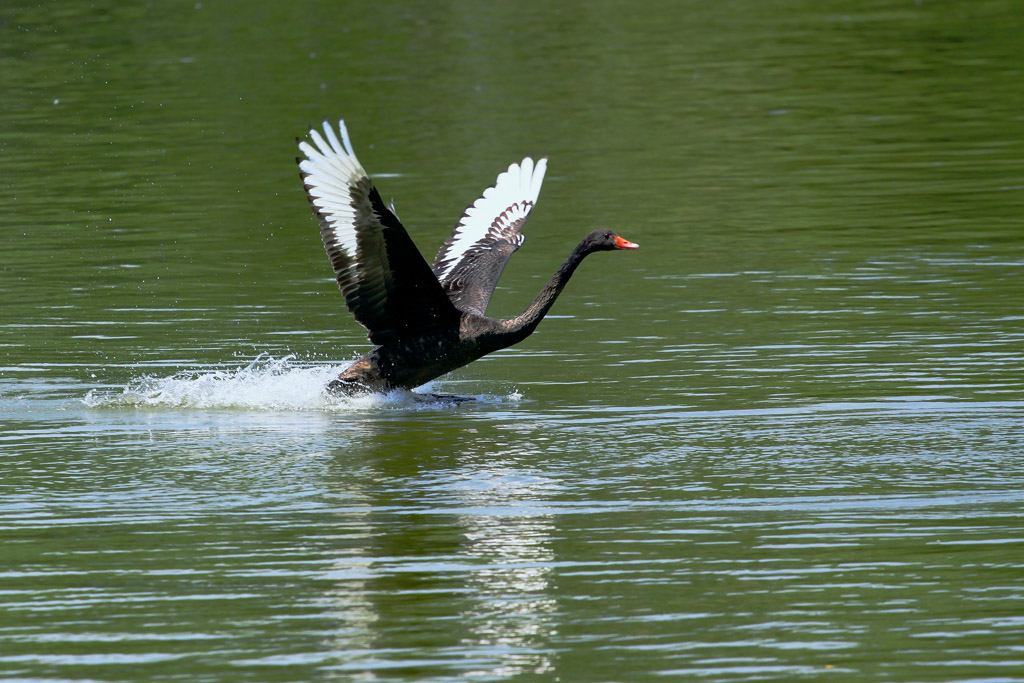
(625,244)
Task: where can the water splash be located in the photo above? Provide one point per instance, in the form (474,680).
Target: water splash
(264,384)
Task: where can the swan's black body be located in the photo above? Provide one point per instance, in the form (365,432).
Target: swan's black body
(425,322)
(415,359)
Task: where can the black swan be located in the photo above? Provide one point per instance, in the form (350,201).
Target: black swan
(423,321)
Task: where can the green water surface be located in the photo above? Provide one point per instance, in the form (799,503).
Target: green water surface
(781,441)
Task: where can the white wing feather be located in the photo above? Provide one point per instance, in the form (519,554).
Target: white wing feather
(504,205)
(331,170)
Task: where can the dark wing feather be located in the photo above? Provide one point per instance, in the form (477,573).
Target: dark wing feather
(471,261)
(387,284)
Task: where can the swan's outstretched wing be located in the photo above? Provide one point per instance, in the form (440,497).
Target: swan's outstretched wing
(387,284)
(470,262)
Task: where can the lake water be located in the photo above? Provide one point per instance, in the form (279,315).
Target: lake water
(782,441)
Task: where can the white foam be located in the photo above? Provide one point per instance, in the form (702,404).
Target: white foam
(265,383)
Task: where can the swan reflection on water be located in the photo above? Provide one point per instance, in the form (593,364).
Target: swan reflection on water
(509,539)
(483,585)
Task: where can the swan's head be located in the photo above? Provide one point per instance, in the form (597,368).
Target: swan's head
(606,240)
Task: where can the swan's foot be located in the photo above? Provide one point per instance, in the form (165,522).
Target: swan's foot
(346,387)
(444,398)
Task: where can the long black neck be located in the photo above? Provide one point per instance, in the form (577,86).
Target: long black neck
(523,325)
